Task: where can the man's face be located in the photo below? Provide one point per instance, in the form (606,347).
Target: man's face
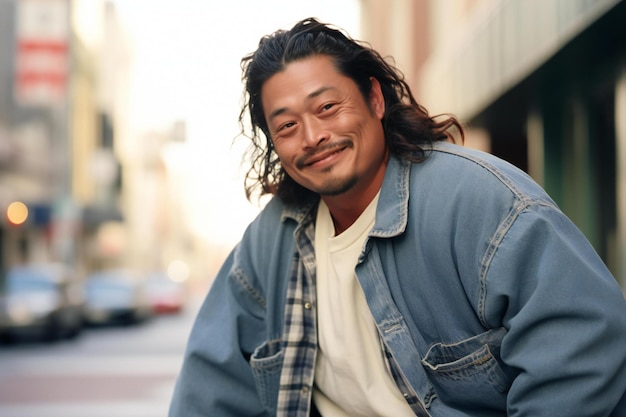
(328,137)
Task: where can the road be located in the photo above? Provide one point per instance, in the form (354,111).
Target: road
(106,372)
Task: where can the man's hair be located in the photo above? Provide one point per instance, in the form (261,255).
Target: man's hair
(406,124)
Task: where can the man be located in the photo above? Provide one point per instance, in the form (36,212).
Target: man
(394,273)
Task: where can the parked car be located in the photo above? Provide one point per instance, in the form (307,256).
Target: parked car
(115,296)
(165,295)
(42,301)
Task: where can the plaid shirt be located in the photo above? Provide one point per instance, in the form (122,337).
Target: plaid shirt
(300,334)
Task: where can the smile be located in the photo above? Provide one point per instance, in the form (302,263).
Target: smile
(324,155)
(319,159)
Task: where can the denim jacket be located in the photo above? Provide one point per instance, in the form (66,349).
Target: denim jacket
(488,302)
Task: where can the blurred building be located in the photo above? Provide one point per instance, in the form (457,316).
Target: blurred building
(100,127)
(541,83)
(158,231)
(57,135)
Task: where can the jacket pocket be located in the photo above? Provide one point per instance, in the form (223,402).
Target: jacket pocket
(266,363)
(468,374)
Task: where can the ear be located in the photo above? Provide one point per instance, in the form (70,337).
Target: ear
(377,100)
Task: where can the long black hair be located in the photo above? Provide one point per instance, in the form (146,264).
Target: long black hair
(406,124)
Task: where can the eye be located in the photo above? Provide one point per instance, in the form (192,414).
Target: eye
(284,129)
(327,107)
(286,126)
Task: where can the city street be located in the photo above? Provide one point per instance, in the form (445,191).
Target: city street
(106,372)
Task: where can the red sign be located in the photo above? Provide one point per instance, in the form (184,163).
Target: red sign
(41,69)
(41,75)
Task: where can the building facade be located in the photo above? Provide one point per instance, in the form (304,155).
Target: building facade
(541,83)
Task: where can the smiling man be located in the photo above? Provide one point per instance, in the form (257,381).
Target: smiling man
(393,273)
(327,135)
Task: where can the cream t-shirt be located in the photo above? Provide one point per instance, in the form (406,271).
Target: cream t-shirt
(351,375)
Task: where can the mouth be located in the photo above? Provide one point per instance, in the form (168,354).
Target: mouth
(323,155)
(321,158)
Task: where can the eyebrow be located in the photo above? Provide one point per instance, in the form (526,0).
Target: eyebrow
(309,97)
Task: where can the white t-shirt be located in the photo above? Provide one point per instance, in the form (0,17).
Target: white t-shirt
(351,375)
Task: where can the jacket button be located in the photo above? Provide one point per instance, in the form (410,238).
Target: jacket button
(307,306)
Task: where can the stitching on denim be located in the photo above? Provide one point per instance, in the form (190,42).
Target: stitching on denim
(494,244)
(241,278)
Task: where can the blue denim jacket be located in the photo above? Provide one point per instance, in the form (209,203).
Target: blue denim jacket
(489,301)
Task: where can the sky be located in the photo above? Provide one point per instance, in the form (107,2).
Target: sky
(186,66)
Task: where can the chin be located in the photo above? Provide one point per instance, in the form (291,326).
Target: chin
(337,187)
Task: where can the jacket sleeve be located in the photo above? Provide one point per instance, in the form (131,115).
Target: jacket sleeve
(566,319)
(216,379)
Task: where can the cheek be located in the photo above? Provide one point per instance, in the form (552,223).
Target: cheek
(358,121)
(374,138)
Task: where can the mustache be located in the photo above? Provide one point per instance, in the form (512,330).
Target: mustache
(302,161)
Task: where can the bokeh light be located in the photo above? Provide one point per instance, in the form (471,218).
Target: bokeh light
(178,271)
(17,213)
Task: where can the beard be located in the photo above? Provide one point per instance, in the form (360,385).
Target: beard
(336,186)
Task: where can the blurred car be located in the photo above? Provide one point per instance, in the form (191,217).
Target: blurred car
(165,295)
(43,301)
(115,296)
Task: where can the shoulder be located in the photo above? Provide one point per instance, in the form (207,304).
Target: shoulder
(474,171)
(266,223)
(276,214)
(274,227)
(457,189)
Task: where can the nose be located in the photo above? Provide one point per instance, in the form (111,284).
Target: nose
(314,133)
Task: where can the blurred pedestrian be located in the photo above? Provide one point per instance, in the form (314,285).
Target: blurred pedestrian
(394,272)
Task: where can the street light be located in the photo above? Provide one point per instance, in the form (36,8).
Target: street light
(17,213)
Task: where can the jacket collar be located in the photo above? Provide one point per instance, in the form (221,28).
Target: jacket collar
(300,213)
(392,210)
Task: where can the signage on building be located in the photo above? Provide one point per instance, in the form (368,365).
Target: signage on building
(42,52)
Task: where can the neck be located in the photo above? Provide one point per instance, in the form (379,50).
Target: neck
(346,209)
